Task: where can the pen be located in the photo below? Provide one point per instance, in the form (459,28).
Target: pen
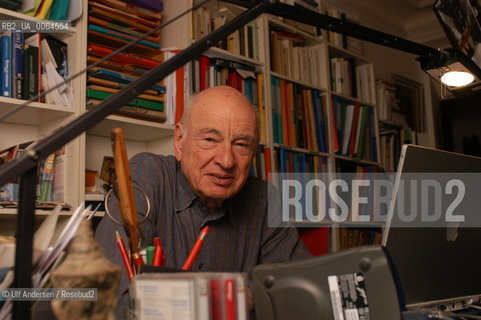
(196,249)
(125,257)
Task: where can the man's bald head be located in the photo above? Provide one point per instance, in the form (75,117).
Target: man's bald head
(221,96)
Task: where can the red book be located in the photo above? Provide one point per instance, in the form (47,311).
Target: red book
(235,80)
(216,299)
(230,293)
(268,163)
(122,57)
(204,63)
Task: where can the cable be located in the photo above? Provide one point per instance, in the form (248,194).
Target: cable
(159,27)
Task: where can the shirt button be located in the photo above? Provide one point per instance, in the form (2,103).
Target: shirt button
(201,265)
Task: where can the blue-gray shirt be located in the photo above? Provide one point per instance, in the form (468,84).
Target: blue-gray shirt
(239,236)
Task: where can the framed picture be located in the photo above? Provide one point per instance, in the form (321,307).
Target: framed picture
(410,98)
(107,173)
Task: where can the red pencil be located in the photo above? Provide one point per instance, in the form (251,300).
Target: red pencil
(158,259)
(196,249)
(125,257)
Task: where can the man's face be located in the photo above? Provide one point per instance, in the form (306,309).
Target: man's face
(216,146)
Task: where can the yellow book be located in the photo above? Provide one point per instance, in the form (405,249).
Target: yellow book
(43,10)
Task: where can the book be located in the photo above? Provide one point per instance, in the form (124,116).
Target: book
(58,49)
(43,9)
(17,64)
(30,79)
(133,111)
(121,20)
(114,26)
(159,98)
(150,14)
(115,66)
(125,15)
(123,57)
(137,102)
(59,11)
(116,85)
(121,77)
(33,78)
(123,36)
(6,64)
(151,4)
(46,179)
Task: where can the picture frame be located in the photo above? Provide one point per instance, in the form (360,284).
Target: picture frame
(107,173)
(410,96)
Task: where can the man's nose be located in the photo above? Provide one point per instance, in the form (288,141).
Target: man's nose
(225,156)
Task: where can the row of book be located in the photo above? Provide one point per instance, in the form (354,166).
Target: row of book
(313,5)
(206,295)
(50,175)
(351,79)
(292,161)
(243,41)
(291,56)
(299,117)
(355,237)
(392,137)
(353,129)
(342,40)
(111,24)
(33,63)
(285,161)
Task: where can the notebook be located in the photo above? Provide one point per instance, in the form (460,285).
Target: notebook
(439,264)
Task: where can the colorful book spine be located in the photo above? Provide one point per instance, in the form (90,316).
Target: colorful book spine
(59,10)
(6,63)
(101,95)
(122,36)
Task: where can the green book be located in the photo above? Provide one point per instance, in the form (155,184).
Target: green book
(59,11)
(137,102)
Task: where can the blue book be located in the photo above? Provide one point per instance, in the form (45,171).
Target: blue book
(122,36)
(118,77)
(17,64)
(6,62)
(320,134)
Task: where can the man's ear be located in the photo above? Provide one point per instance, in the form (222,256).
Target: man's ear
(178,134)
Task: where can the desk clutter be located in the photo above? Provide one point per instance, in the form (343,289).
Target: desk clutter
(190,296)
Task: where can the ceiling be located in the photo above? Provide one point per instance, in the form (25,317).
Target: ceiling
(411,19)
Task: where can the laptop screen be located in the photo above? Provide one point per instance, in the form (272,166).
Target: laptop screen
(436,263)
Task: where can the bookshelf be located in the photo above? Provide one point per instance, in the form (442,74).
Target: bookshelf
(311,80)
(38,119)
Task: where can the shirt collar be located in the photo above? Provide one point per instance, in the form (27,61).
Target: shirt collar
(185,197)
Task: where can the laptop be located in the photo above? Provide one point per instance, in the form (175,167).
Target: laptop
(438,264)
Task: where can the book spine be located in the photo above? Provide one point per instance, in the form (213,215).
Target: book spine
(6,59)
(17,64)
(122,36)
(59,10)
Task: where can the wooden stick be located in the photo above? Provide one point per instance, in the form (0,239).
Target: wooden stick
(124,189)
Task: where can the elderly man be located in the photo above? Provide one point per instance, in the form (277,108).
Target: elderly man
(208,183)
